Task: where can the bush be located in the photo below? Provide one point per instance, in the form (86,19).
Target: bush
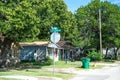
(48,61)
(95,56)
(118,57)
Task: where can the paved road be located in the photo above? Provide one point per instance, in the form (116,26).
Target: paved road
(111,72)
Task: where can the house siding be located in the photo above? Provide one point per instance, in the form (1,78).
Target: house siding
(27,52)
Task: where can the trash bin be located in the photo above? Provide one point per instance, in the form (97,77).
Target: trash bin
(85,62)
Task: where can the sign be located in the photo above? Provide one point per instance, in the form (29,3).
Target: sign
(55,37)
(55,29)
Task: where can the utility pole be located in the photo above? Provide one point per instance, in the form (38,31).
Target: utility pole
(100,32)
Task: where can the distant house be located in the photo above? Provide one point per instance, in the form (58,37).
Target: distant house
(62,50)
(67,50)
(29,50)
(53,51)
(39,50)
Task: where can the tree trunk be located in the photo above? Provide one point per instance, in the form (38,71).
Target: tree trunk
(106,53)
(5,52)
(116,53)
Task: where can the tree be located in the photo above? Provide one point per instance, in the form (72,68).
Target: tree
(111,27)
(28,19)
(18,21)
(88,24)
(69,28)
(55,13)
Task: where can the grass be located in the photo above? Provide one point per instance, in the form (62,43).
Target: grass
(8,79)
(41,71)
(34,72)
(76,65)
(119,57)
(63,64)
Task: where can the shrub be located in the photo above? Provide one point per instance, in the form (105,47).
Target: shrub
(95,56)
(48,60)
(118,57)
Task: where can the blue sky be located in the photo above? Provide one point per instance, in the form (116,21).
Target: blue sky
(73,5)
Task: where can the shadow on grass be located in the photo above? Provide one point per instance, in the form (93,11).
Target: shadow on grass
(25,65)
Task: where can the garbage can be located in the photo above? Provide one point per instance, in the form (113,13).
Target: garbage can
(85,62)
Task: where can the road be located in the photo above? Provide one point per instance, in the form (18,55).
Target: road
(110,72)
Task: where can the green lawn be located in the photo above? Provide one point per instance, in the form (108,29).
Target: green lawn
(34,72)
(41,71)
(7,79)
(76,65)
(63,64)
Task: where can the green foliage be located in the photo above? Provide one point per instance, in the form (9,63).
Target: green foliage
(29,19)
(87,19)
(55,13)
(21,20)
(48,61)
(88,24)
(45,62)
(95,56)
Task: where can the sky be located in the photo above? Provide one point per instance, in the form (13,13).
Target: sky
(73,5)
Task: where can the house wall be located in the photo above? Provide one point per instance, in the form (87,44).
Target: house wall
(53,54)
(27,52)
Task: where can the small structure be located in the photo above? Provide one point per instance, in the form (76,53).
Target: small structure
(33,51)
(37,51)
(53,51)
(67,50)
(64,50)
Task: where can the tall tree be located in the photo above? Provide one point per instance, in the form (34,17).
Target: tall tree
(28,19)
(18,20)
(55,13)
(88,24)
